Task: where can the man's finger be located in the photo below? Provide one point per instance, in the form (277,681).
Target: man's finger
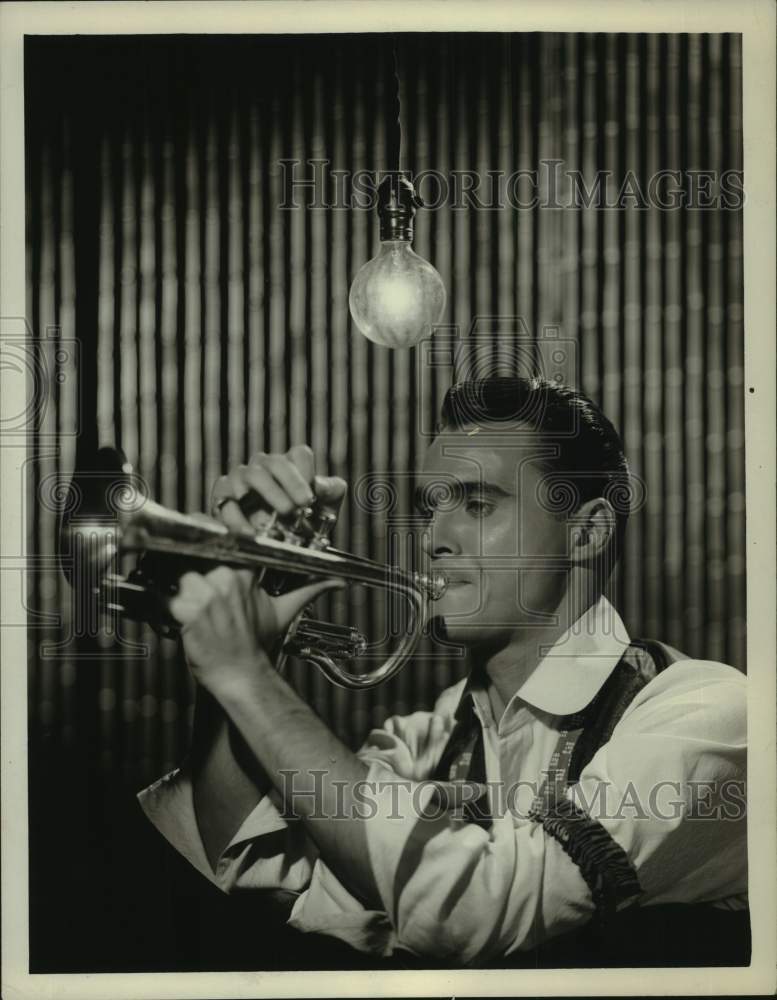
(261,480)
(290,478)
(233,518)
(226,492)
(233,487)
(191,598)
(301,456)
(222,579)
(330,490)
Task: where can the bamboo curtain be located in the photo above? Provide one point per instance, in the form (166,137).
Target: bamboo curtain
(194,320)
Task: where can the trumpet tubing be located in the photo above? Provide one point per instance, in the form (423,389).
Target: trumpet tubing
(98,537)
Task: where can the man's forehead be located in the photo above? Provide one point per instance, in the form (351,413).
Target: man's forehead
(483,451)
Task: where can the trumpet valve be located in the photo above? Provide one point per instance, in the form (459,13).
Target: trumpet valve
(312,526)
(311,636)
(300,528)
(324,523)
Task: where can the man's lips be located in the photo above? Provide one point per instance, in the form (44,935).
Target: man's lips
(461,575)
(458,581)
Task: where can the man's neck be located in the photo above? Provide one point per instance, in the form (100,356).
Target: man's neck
(509,666)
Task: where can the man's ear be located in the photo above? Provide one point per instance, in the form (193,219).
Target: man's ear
(592,527)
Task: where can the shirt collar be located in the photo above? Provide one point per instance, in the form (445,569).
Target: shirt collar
(572,670)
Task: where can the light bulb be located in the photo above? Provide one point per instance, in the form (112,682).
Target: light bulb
(397,297)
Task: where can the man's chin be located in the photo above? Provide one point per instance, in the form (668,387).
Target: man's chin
(458,630)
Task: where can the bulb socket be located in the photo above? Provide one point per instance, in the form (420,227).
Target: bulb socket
(397,204)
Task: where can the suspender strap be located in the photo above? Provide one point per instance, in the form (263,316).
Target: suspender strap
(640,663)
(606,868)
(463,762)
(602,862)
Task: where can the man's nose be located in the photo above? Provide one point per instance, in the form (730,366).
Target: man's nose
(439,538)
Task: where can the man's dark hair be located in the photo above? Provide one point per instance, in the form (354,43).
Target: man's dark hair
(590,461)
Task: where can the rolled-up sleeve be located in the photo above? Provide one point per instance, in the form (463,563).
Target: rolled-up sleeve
(272,853)
(266,852)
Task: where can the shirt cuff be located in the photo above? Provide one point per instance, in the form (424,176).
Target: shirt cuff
(326,907)
(169,804)
(264,818)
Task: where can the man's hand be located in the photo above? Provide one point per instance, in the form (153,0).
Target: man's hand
(229,623)
(284,483)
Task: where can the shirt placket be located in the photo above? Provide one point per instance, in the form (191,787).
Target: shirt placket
(508,747)
(516,761)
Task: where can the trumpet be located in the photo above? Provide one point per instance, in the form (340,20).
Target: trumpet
(112,519)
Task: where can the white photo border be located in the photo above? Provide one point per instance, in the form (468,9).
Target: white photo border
(755,20)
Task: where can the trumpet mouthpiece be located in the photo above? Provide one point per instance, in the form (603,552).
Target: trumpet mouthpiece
(435,584)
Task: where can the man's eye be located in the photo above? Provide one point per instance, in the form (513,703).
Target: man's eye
(479,507)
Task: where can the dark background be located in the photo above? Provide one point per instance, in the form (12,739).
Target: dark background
(182,314)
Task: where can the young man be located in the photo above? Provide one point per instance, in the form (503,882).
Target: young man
(575,796)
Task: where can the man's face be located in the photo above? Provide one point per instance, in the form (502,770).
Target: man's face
(489,531)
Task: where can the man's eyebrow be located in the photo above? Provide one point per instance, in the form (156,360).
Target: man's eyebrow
(426,491)
(478,486)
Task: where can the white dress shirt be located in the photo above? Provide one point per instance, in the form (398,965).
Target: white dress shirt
(667,788)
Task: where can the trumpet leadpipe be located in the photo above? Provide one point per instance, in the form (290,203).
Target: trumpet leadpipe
(156,529)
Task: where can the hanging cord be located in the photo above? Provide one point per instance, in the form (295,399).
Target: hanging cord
(394,138)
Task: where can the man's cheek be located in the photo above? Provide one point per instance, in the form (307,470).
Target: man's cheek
(544,538)
(498,542)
